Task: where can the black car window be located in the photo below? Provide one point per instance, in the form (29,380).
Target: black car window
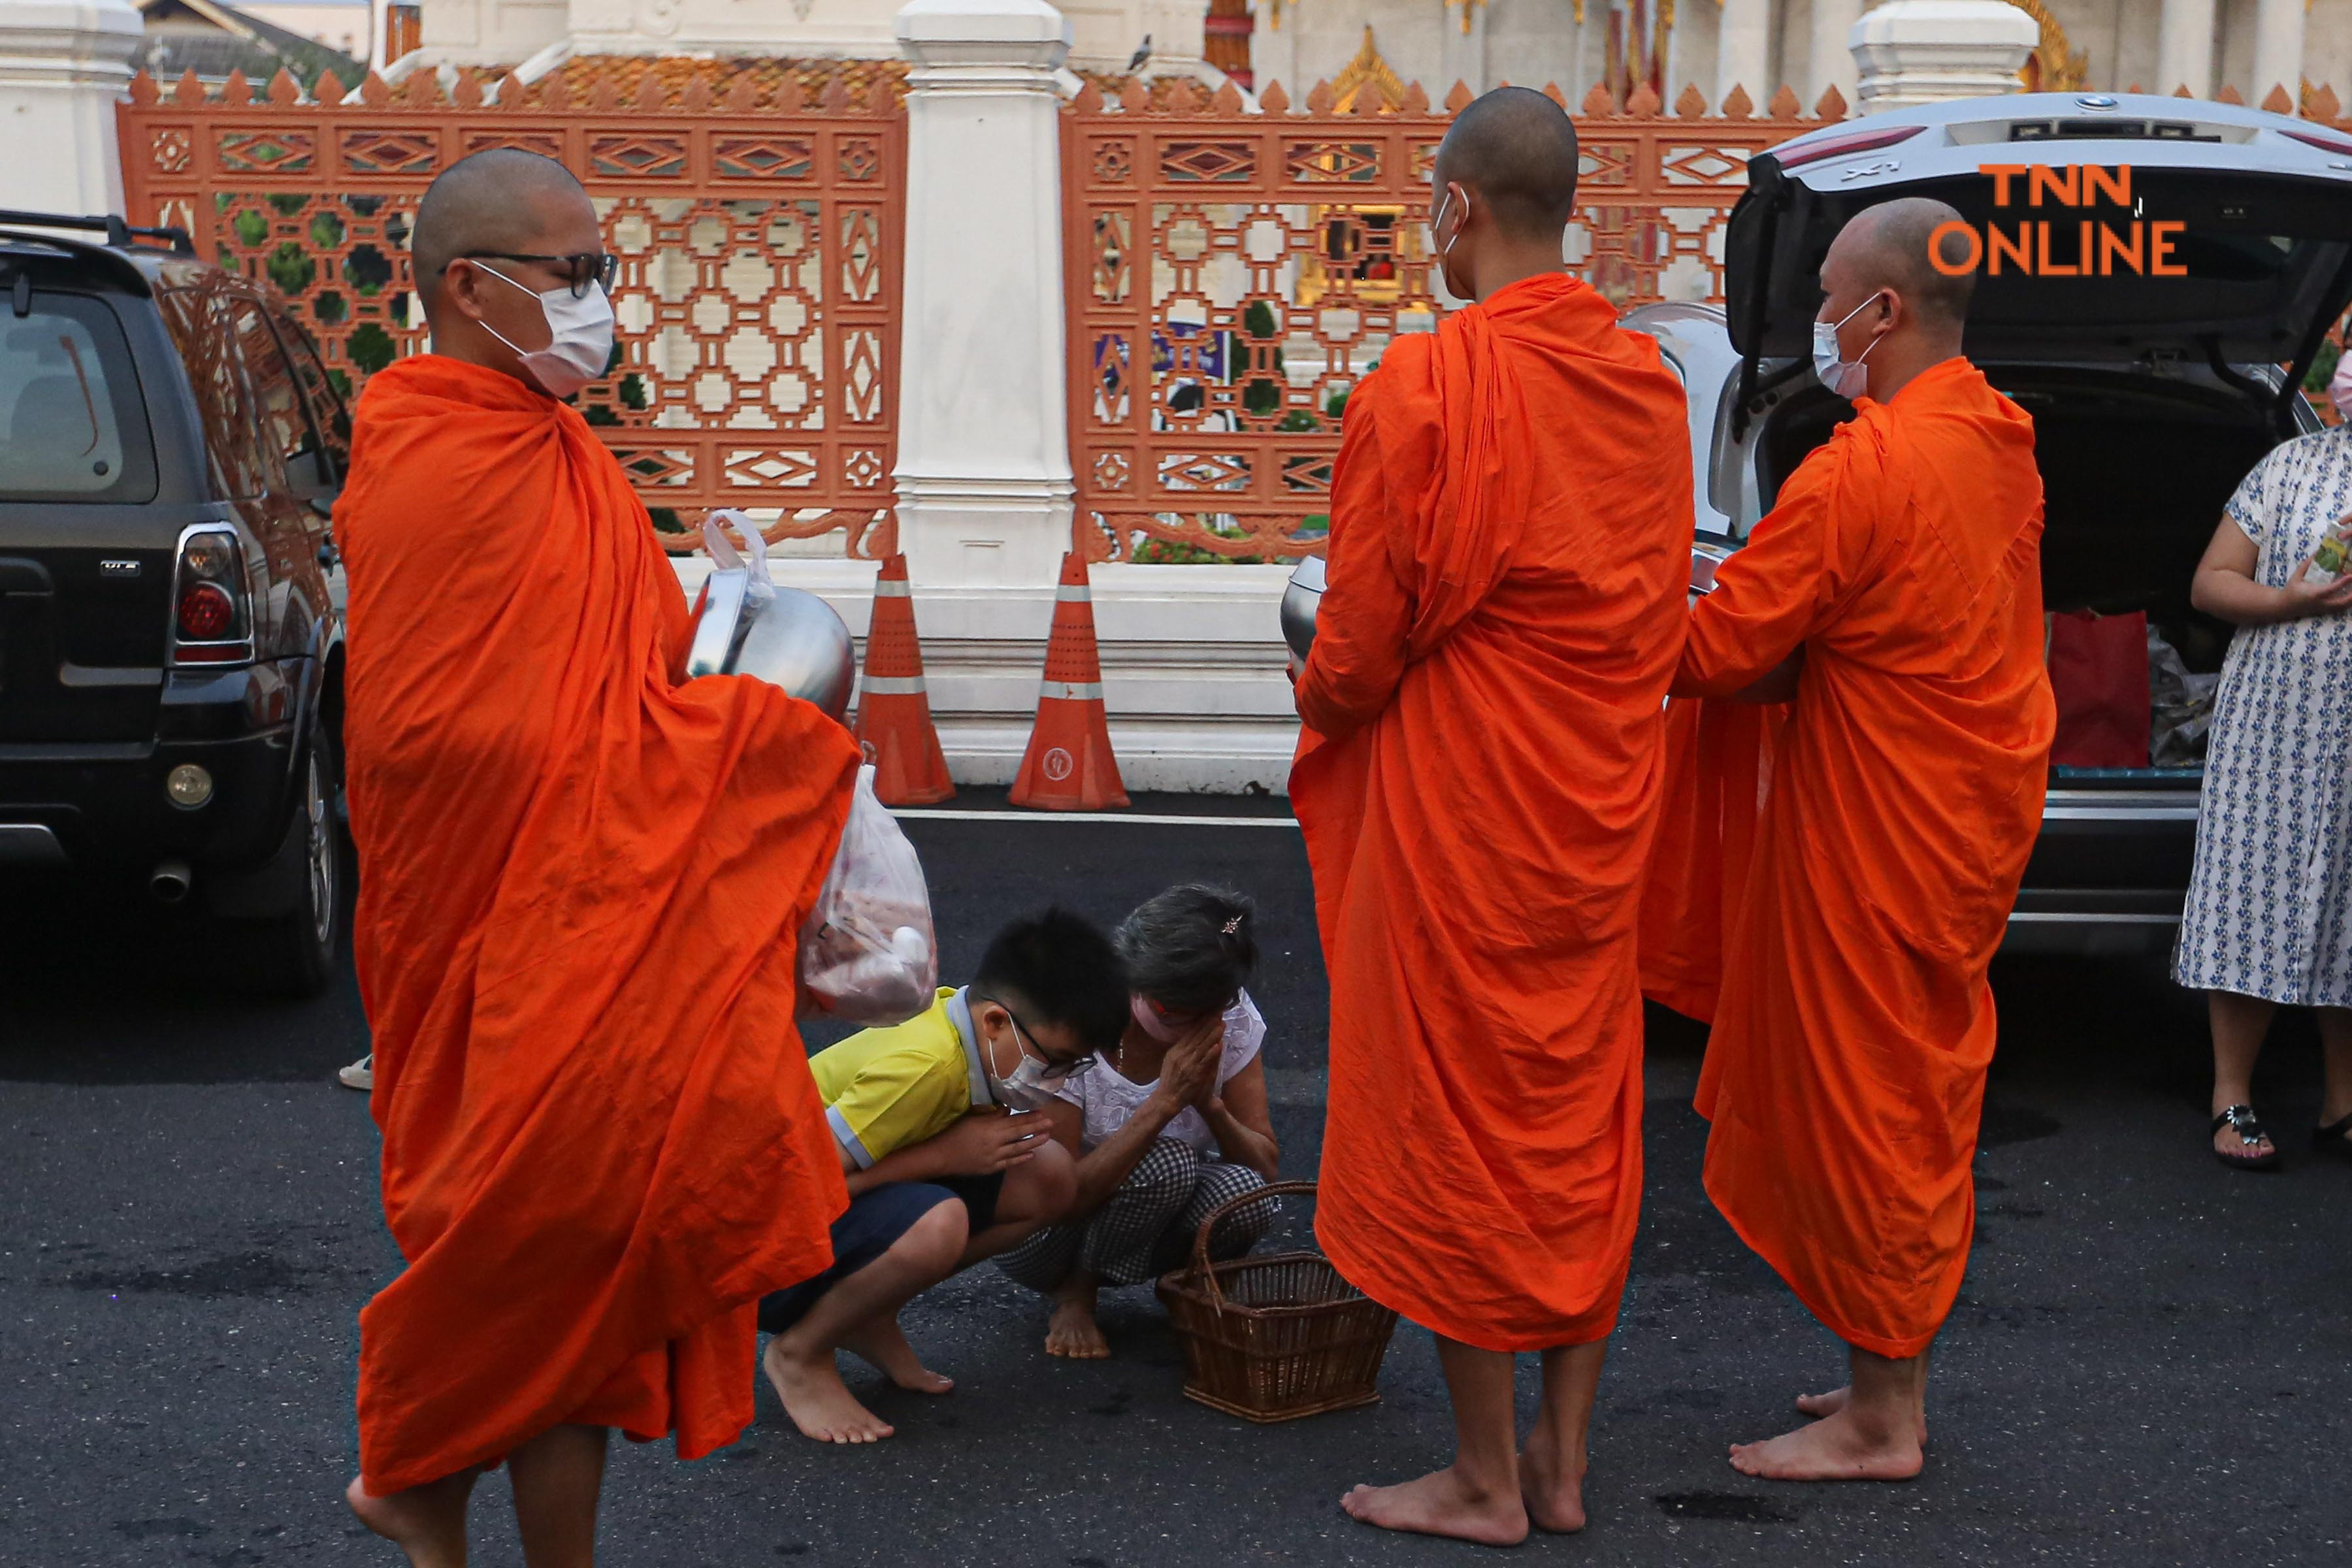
(285,428)
(327,411)
(203,328)
(73,426)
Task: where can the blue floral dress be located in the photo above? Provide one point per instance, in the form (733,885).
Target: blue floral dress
(2270,902)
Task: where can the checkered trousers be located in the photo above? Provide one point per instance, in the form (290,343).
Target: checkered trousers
(1147,1226)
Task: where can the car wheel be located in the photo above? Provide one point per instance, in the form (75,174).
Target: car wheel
(294,954)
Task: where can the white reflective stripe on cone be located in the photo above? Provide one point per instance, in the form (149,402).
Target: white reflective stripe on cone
(1071,691)
(1072,593)
(894,686)
(891,589)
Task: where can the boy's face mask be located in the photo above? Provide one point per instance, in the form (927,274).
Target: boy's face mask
(1028,1086)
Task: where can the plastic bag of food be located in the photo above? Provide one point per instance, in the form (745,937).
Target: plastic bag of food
(2333,554)
(868,954)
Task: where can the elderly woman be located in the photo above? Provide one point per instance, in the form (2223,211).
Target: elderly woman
(1168,1126)
(2269,918)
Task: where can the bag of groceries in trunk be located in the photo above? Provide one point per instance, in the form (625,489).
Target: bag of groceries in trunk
(868,954)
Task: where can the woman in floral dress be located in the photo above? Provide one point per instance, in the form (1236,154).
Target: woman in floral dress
(2269,918)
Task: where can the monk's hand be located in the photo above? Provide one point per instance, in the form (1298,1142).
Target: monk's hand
(988,1142)
(2305,598)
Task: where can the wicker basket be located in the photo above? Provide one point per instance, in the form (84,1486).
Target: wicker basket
(1277,1337)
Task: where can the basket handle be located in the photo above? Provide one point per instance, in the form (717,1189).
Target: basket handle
(1207,1275)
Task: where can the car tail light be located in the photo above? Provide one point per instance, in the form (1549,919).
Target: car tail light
(212,607)
(2324,140)
(1841,146)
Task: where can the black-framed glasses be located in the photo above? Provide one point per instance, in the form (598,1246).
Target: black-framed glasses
(1051,1071)
(598,267)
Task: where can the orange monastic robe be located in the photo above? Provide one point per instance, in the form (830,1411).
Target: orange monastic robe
(1511,525)
(1845,1074)
(580,883)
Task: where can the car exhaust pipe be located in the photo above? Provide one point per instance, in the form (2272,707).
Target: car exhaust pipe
(170,882)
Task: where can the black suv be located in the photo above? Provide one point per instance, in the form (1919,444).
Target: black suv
(171,653)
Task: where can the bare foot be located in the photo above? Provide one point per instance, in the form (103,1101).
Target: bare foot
(816,1399)
(883,1347)
(1817,1405)
(1552,1493)
(1072,1330)
(1442,1503)
(420,1521)
(1834,1448)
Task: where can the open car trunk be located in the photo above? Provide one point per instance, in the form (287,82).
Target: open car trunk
(2136,470)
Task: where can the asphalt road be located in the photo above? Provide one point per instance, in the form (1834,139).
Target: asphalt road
(2151,1363)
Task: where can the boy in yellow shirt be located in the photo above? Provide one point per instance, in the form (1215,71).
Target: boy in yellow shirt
(946,1161)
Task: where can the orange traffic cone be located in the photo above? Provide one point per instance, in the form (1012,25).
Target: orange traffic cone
(893,709)
(1069,766)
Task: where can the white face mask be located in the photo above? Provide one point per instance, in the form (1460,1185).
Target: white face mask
(1025,1088)
(1846,378)
(1149,1020)
(2339,386)
(579,337)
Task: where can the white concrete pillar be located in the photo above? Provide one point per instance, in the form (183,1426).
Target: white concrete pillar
(64,64)
(1829,60)
(2278,51)
(1274,49)
(1910,52)
(2184,47)
(1461,51)
(984,474)
(1743,50)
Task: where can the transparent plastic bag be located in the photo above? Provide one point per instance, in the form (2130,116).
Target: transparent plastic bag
(2180,705)
(868,954)
(760,589)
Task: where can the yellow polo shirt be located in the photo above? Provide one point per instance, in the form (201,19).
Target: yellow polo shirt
(887,1088)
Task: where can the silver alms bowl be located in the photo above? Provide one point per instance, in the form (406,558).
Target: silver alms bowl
(794,641)
(1299,602)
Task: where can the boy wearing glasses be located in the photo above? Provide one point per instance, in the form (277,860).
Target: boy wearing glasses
(947,1160)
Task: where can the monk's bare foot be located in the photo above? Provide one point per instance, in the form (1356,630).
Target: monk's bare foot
(883,1347)
(1817,1405)
(1442,1503)
(419,1522)
(816,1399)
(1837,1447)
(1072,1330)
(1553,1494)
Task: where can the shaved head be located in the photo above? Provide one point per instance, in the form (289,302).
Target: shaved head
(1513,151)
(1887,246)
(502,202)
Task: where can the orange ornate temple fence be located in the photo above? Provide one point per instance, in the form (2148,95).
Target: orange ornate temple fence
(759,228)
(1232,276)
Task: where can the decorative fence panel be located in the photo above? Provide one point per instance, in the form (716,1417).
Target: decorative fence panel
(1233,275)
(759,234)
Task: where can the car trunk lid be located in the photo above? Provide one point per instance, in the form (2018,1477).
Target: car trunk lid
(2262,207)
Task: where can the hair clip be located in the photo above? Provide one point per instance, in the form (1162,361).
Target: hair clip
(1233,925)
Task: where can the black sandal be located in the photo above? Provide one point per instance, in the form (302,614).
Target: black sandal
(2249,1131)
(2336,1138)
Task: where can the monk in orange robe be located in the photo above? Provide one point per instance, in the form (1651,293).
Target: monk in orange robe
(1845,1074)
(1511,526)
(583,881)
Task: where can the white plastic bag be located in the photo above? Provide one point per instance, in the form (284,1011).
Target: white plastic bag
(868,954)
(760,589)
